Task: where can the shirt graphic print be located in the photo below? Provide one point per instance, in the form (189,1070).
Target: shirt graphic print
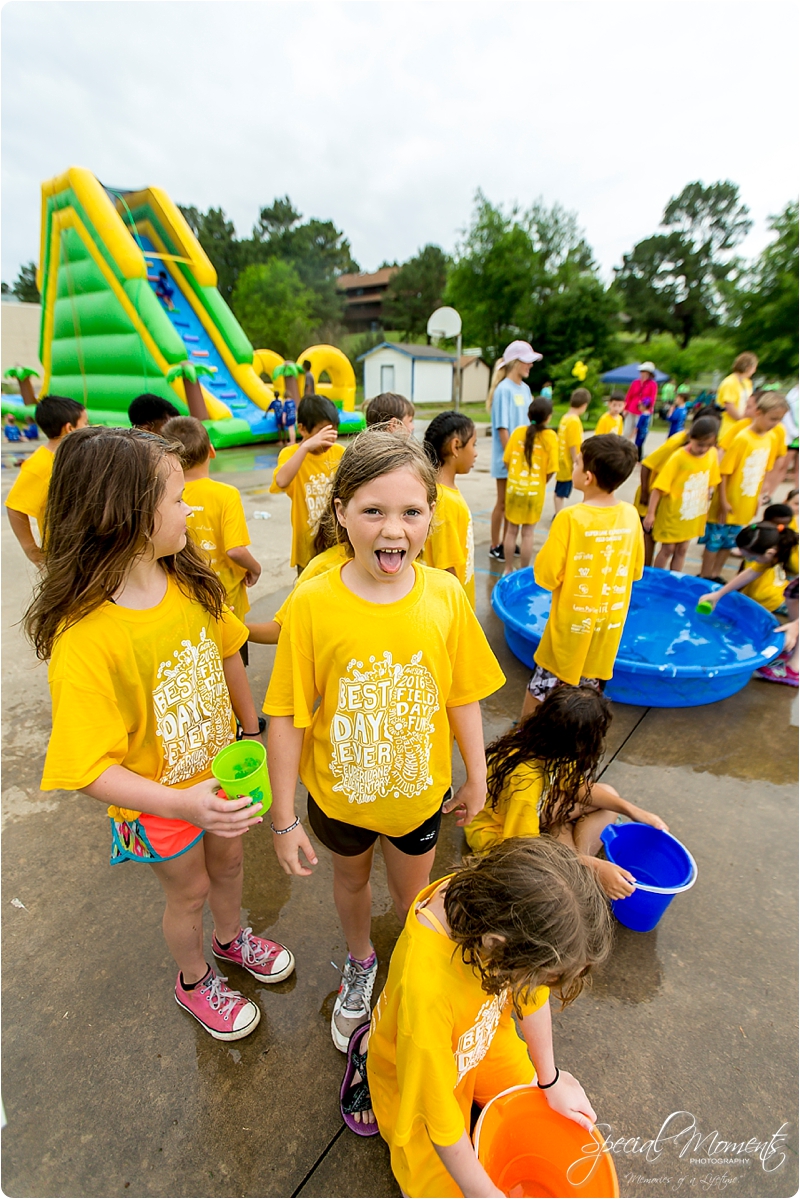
(317,493)
(473,1044)
(754,469)
(694,498)
(381,731)
(193,710)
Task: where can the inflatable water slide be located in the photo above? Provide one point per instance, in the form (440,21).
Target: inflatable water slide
(129,294)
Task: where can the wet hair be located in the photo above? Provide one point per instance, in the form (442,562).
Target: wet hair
(539,412)
(53,412)
(763,536)
(389,405)
(770,401)
(441,431)
(610,458)
(565,737)
(149,409)
(101,510)
(371,455)
(702,427)
(709,413)
(193,437)
(794,492)
(316,410)
(744,362)
(579,397)
(545,907)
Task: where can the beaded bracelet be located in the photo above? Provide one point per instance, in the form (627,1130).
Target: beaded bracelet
(546,1086)
(280,832)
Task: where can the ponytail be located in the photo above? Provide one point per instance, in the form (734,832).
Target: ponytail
(763,536)
(499,373)
(539,412)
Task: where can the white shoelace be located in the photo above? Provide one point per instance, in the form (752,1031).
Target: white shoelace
(358,983)
(253,953)
(220,996)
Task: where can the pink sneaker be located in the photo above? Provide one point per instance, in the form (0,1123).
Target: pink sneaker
(266,960)
(778,671)
(226,1014)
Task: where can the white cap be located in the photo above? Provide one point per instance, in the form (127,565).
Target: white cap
(521,351)
(648,366)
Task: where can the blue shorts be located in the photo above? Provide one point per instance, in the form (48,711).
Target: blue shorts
(564,490)
(719,537)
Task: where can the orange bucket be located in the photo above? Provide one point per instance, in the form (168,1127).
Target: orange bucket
(527,1149)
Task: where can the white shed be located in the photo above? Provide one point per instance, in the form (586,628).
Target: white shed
(424,374)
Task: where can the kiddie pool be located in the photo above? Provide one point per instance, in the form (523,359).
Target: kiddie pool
(669,657)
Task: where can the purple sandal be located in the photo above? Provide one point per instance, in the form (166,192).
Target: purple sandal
(354,1097)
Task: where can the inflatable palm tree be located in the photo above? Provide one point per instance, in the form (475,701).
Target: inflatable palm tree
(290,372)
(191,372)
(23,375)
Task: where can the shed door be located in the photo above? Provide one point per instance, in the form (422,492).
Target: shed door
(387,377)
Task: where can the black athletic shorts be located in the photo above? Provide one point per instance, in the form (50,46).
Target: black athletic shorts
(349,840)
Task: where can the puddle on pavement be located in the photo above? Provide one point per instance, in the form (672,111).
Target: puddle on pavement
(244,459)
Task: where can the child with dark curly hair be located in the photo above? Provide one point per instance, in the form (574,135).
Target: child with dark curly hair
(541,779)
(479,947)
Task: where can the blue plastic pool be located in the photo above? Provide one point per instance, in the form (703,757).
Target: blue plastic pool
(669,657)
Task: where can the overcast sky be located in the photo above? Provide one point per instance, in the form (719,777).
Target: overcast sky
(385,117)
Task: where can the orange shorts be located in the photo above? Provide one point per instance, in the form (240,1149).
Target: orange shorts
(151,839)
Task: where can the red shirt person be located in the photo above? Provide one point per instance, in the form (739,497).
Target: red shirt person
(641,397)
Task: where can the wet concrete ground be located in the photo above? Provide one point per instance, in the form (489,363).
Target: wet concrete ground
(110,1089)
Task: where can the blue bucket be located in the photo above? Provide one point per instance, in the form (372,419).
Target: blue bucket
(661,866)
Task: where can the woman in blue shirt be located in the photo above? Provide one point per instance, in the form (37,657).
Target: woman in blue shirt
(508,401)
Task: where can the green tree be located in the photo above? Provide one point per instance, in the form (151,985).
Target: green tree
(530,274)
(217,236)
(24,288)
(415,292)
(275,309)
(767,304)
(676,281)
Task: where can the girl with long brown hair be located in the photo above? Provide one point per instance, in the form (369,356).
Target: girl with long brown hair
(380,662)
(542,779)
(486,944)
(145,676)
(531,456)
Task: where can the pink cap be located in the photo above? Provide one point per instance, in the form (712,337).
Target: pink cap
(521,350)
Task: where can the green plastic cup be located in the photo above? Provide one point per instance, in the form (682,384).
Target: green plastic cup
(241,769)
(704,608)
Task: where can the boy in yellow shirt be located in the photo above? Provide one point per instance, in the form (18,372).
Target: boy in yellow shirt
(681,494)
(611,421)
(735,390)
(570,435)
(217,524)
(305,472)
(592,556)
(748,457)
(56,416)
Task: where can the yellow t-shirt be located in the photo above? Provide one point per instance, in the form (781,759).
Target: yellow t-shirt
(570,436)
(609,424)
(377,747)
(590,561)
(685,481)
(437,1041)
(143,689)
(516,814)
(526,485)
(778,435)
(335,556)
(29,491)
(656,460)
(309,491)
(746,460)
(733,390)
(451,542)
(767,589)
(218,524)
